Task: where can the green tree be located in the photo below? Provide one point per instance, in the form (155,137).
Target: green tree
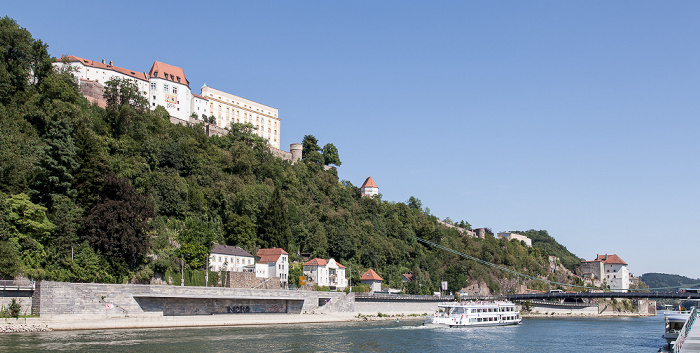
(275,230)
(10,263)
(54,173)
(310,150)
(240,231)
(24,61)
(330,155)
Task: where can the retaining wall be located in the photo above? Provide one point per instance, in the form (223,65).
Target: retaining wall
(119,300)
(23,296)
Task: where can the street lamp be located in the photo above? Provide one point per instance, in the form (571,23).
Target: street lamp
(182,271)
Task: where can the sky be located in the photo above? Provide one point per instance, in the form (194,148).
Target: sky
(579,118)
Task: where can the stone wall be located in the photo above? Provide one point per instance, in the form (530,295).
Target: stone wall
(94,92)
(248,280)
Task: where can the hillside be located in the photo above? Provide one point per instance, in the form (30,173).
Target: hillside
(662,280)
(543,241)
(117,194)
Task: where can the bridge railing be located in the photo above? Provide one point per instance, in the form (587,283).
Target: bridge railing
(684,331)
(11,284)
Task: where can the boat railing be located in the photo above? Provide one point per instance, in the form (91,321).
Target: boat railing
(685,330)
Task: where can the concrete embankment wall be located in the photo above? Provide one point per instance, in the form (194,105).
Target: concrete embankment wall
(396,307)
(120,300)
(24,297)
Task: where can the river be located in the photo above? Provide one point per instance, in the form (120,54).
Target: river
(621,334)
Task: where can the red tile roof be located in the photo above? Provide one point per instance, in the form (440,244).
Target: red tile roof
(270,255)
(316,262)
(369,183)
(99,65)
(610,259)
(168,72)
(370,275)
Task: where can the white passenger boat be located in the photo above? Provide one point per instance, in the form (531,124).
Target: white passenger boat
(674,321)
(475,313)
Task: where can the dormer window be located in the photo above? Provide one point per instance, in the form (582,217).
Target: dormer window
(178,79)
(155,73)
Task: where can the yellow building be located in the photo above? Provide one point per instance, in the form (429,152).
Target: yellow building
(228,109)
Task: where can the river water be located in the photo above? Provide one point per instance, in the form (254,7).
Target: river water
(533,335)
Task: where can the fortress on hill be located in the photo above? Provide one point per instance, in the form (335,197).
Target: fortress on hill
(167,86)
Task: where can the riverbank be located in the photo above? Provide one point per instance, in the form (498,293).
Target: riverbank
(76,322)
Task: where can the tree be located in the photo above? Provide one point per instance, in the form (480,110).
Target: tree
(24,61)
(275,230)
(54,174)
(240,231)
(117,224)
(330,155)
(310,150)
(10,263)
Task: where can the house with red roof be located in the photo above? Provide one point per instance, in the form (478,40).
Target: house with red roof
(273,263)
(369,188)
(608,268)
(326,273)
(372,279)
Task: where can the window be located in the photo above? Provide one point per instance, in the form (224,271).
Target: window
(153,85)
(178,79)
(174,90)
(166,87)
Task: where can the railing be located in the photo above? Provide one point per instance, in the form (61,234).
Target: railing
(685,330)
(17,285)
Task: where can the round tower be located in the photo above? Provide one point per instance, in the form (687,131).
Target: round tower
(295,148)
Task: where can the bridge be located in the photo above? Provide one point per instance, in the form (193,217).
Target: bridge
(592,295)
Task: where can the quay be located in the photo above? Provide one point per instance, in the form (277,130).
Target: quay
(689,339)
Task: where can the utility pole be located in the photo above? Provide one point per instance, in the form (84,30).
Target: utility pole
(182,272)
(206,274)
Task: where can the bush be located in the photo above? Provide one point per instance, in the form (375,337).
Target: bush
(15,308)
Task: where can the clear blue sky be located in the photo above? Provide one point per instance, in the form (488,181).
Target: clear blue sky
(580,118)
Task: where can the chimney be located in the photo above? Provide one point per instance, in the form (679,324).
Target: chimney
(110,63)
(103,61)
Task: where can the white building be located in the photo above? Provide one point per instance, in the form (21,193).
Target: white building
(611,268)
(273,263)
(228,109)
(168,87)
(372,279)
(326,273)
(515,236)
(230,258)
(369,188)
(91,72)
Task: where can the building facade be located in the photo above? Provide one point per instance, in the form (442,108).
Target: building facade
(515,236)
(228,109)
(372,279)
(230,258)
(326,273)
(273,263)
(167,86)
(609,268)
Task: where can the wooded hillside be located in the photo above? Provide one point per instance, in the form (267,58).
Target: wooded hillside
(119,193)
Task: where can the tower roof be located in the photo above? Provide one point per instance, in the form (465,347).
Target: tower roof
(168,72)
(369,183)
